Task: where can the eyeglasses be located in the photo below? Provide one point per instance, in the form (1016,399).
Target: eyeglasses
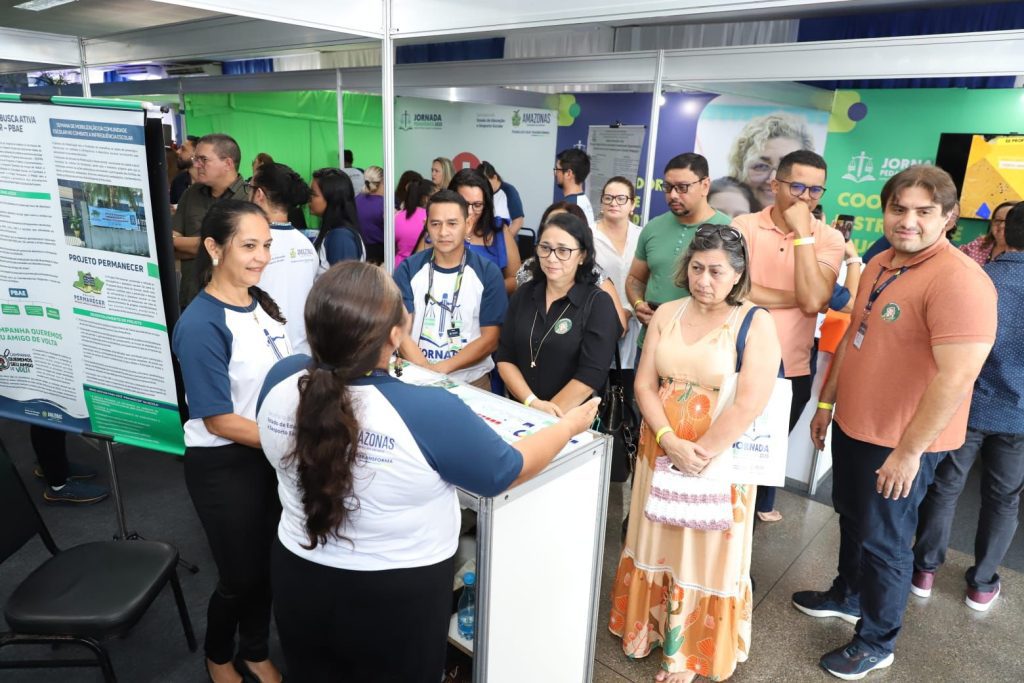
(475,207)
(202,160)
(998,221)
(727,233)
(558,170)
(681,188)
(561,253)
(617,199)
(797,189)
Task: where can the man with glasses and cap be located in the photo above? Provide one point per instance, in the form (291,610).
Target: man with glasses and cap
(651,279)
(216,160)
(794,263)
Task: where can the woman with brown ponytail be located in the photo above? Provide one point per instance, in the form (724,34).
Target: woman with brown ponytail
(226,341)
(367,466)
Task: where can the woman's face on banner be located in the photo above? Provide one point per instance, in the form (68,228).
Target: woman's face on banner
(761,165)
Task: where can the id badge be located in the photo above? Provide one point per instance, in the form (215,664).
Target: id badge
(858,338)
(454,332)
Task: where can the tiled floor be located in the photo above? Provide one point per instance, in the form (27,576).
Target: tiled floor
(942,638)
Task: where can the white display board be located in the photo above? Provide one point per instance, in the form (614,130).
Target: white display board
(83,335)
(519,141)
(614,151)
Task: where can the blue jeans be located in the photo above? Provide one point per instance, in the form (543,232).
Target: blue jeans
(1002,480)
(875,536)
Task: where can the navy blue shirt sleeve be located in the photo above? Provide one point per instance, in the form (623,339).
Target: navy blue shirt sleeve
(494,303)
(203,347)
(515,202)
(465,452)
(341,245)
(403,278)
(840,297)
(282,370)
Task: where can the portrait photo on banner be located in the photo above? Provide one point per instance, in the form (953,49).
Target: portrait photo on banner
(743,141)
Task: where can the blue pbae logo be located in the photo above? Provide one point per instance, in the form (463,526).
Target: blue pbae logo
(18,293)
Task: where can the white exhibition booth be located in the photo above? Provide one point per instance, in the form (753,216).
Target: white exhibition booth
(510,547)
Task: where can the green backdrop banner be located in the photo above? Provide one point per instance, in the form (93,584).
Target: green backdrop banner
(873,134)
(299,129)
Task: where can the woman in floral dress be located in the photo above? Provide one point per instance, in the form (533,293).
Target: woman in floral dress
(687,589)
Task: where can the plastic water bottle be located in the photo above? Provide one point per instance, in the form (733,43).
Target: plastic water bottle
(467,607)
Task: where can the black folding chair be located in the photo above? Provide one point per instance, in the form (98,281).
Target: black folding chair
(526,242)
(81,595)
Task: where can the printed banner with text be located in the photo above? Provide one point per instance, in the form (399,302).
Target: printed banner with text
(83,336)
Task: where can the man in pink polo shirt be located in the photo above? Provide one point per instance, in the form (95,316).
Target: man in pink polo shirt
(794,262)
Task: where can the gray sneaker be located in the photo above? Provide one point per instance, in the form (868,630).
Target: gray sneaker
(76,492)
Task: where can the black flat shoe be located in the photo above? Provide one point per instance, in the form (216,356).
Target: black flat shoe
(247,674)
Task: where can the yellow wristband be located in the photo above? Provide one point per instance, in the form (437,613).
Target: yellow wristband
(637,302)
(826,406)
(529,399)
(800,241)
(661,432)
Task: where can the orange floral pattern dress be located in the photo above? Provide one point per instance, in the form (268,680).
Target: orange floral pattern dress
(684,590)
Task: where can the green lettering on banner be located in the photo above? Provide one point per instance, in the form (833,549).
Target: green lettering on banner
(24,195)
(85,313)
(10,309)
(53,313)
(134,420)
(34,310)
(153,270)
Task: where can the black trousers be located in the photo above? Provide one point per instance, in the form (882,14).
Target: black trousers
(51,450)
(234,491)
(765,501)
(386,626)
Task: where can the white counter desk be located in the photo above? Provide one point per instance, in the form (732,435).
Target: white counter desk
(539,553)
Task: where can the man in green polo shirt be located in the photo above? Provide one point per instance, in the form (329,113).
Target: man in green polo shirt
(664,239)
(216,160)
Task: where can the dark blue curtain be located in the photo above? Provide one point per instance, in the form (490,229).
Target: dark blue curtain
(248,66)
(976,17)
(457,51)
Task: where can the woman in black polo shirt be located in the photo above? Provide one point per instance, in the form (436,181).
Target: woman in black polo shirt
(561,329)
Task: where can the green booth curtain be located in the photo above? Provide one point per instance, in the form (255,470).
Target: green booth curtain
(299,129)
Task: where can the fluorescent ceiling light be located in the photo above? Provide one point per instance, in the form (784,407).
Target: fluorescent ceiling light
(40,5)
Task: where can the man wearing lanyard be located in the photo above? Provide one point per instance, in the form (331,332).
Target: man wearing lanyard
(456,297)
(901,387)
(995,434)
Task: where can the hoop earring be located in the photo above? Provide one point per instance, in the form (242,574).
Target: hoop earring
(216,261)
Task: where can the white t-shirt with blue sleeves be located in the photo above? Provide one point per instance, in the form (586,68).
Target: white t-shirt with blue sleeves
(289,276)
(440,331)
(416,445)
(225,353)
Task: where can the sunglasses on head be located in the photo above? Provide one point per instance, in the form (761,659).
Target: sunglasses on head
(727,233)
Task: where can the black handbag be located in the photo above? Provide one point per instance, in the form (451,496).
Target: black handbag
(617,419)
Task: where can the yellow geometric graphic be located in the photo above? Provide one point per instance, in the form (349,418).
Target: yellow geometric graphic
(840,121)
(995,174)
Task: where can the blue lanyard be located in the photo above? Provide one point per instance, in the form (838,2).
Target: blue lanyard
(877,291)
(428,297)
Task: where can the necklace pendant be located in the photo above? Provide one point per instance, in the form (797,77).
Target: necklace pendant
(533,364)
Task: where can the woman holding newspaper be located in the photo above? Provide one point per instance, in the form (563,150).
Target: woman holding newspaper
(683,581)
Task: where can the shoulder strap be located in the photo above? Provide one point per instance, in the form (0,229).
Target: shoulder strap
(741,336)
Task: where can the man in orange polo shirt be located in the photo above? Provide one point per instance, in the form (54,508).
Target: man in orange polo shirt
(901,382)
(794,263)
